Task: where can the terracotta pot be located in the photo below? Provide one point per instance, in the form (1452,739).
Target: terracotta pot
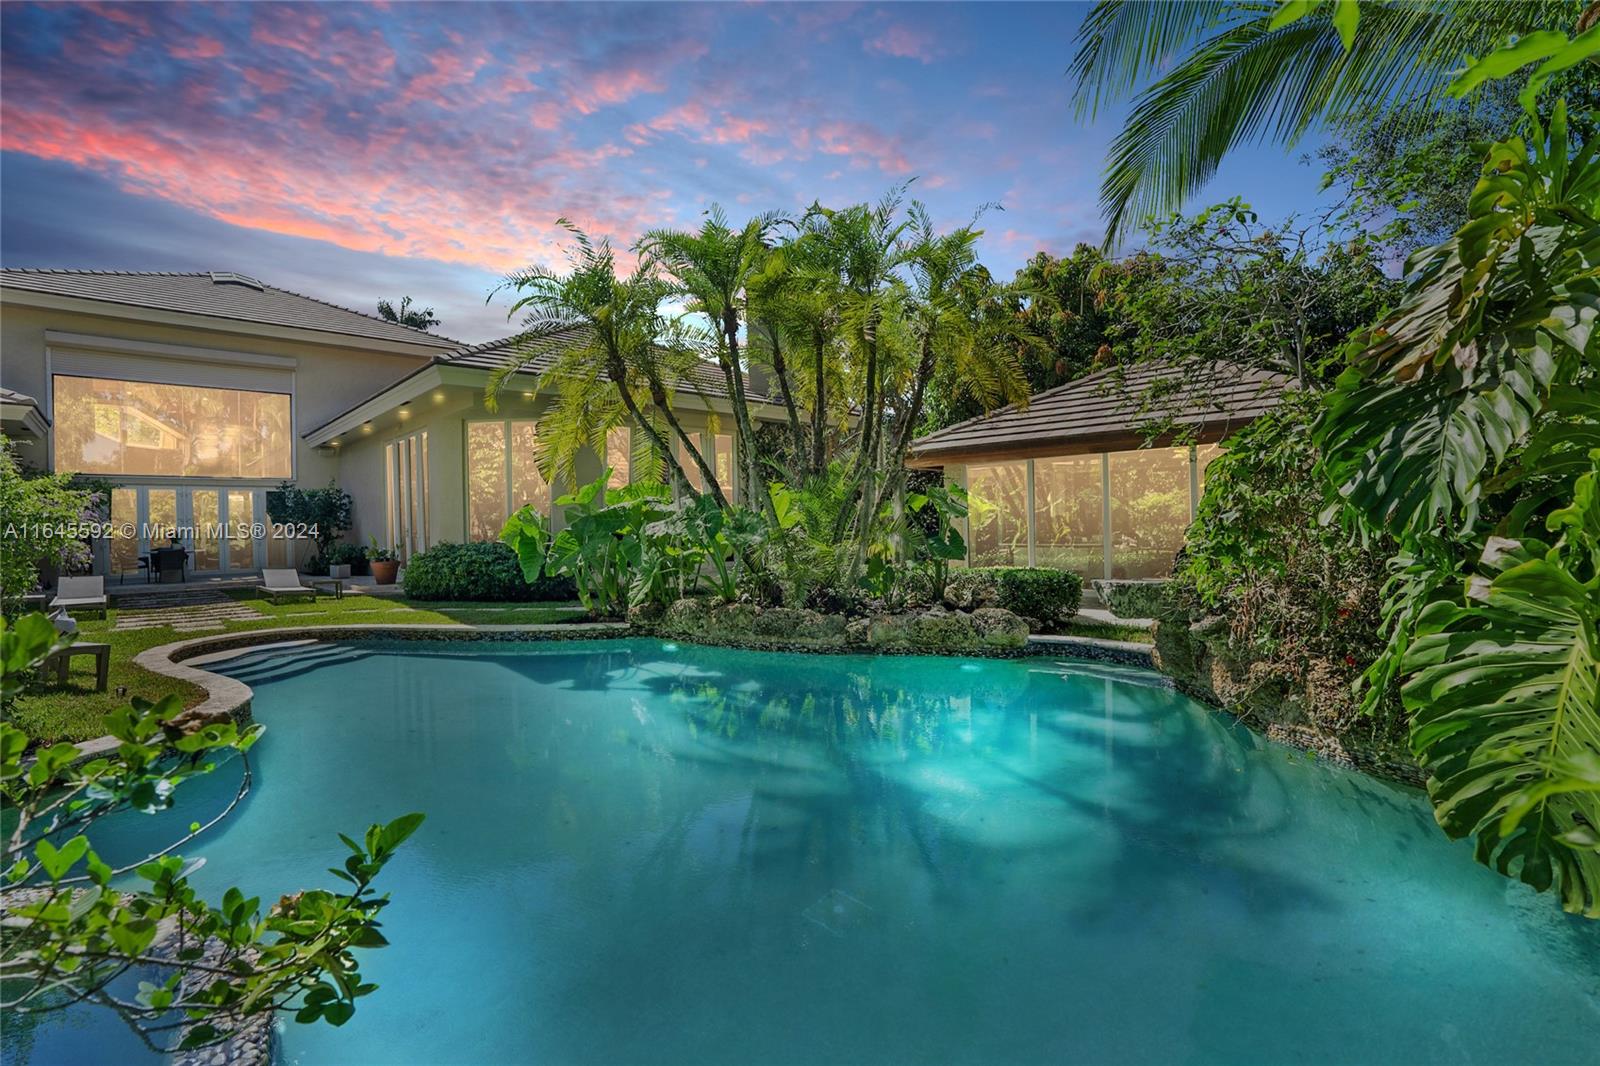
(384,573)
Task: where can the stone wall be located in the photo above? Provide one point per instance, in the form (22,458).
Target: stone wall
(1131,599)
(1313,709)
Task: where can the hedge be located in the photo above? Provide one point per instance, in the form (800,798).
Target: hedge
(480,570)
(1050,596)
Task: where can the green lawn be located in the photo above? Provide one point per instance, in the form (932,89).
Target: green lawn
(48,712)
(1082,627)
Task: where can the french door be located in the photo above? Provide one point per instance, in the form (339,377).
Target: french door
(223,528)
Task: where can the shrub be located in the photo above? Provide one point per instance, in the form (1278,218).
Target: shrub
(1051,596)
(347,554)
(479,570)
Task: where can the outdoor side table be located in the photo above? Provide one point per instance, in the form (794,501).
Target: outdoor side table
(61,659)
(336,583)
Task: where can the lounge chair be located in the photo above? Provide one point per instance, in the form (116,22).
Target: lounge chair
(80,594)
(279,583)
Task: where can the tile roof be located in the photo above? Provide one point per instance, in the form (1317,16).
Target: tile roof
(490,355)
(217,295)
(1105,409)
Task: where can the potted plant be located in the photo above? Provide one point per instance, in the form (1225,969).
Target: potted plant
(384,563)
(342,559)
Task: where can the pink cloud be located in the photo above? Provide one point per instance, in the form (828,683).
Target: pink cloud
(905,42)
(199,48)
(864,143)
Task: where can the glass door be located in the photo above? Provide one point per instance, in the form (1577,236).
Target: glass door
(206,531)
(242,524)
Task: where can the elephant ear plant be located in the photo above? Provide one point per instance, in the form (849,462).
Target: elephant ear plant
(1466,428)
(74,924)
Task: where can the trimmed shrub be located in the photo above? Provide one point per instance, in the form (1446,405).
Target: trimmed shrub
(479,570)
(1051,596)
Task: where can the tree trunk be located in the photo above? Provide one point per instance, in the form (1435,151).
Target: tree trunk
(819,406)
(658,397)
(781,368)
(741,416)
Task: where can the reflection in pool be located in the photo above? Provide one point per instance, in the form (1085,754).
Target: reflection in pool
(648,853)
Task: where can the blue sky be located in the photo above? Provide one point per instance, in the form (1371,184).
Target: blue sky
(362,151)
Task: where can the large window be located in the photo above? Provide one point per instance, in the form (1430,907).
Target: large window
(998,512)
(1150,510)
(502,475)
(104,426)
(1069,513)
(1148,494)
(405,464)
(619,456)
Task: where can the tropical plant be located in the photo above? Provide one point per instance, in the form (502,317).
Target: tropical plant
(1463,424)
(713,267)
(1246,72)
(74,927)
(932,535)
(41,518)
(477,570)
(421,318)
(326,514)
(617,358)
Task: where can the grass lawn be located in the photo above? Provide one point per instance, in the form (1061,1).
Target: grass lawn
(1082,627)
(48,712)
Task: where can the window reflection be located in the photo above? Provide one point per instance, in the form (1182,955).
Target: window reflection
(486,479)
(619,445)
(1069,514)
(104,426)
(997,507)
(1149,510)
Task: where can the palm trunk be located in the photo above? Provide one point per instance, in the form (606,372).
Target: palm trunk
(741,415)
(819,407)
(896,460)
(658,397)
(780,367)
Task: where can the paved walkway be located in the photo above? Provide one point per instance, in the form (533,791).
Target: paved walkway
(185,610)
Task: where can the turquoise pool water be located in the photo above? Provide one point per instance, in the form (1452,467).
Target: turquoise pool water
(640,852)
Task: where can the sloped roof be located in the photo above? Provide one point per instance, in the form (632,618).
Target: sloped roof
(15,397)
(491,355)
(1104,410)
(217,295)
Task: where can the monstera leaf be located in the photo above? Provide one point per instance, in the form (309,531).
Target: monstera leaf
(1504,693)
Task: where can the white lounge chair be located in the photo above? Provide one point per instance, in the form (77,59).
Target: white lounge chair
(81,594)
(277,583)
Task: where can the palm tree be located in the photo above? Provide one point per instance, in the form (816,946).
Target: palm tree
(421,318)
(794,304)
(612,343)
(1238,77)
(713,267)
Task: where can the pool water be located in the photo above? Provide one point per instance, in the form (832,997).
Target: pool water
(640,852)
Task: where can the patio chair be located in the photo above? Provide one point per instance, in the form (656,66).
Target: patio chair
(279,583)
(81,594)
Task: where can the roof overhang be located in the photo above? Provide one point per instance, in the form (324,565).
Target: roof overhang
(1089,444)
(214,323)
(440,374)
(23,419)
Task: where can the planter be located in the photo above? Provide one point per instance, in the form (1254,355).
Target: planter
(339,570)
(384,572)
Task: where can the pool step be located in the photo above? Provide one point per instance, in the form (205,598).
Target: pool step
(276,667)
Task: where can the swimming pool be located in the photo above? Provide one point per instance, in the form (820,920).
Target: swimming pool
(642,852)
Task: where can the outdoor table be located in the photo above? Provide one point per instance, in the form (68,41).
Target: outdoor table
(60,660)
(336,582)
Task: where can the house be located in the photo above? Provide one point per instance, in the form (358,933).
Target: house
(1070,480)
(194,394)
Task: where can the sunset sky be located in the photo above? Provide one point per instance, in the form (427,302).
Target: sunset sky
(361,151)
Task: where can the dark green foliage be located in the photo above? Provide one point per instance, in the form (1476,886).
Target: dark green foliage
(1051,596)
(1298,599)
(327,513)
(347,554)
(480,570)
